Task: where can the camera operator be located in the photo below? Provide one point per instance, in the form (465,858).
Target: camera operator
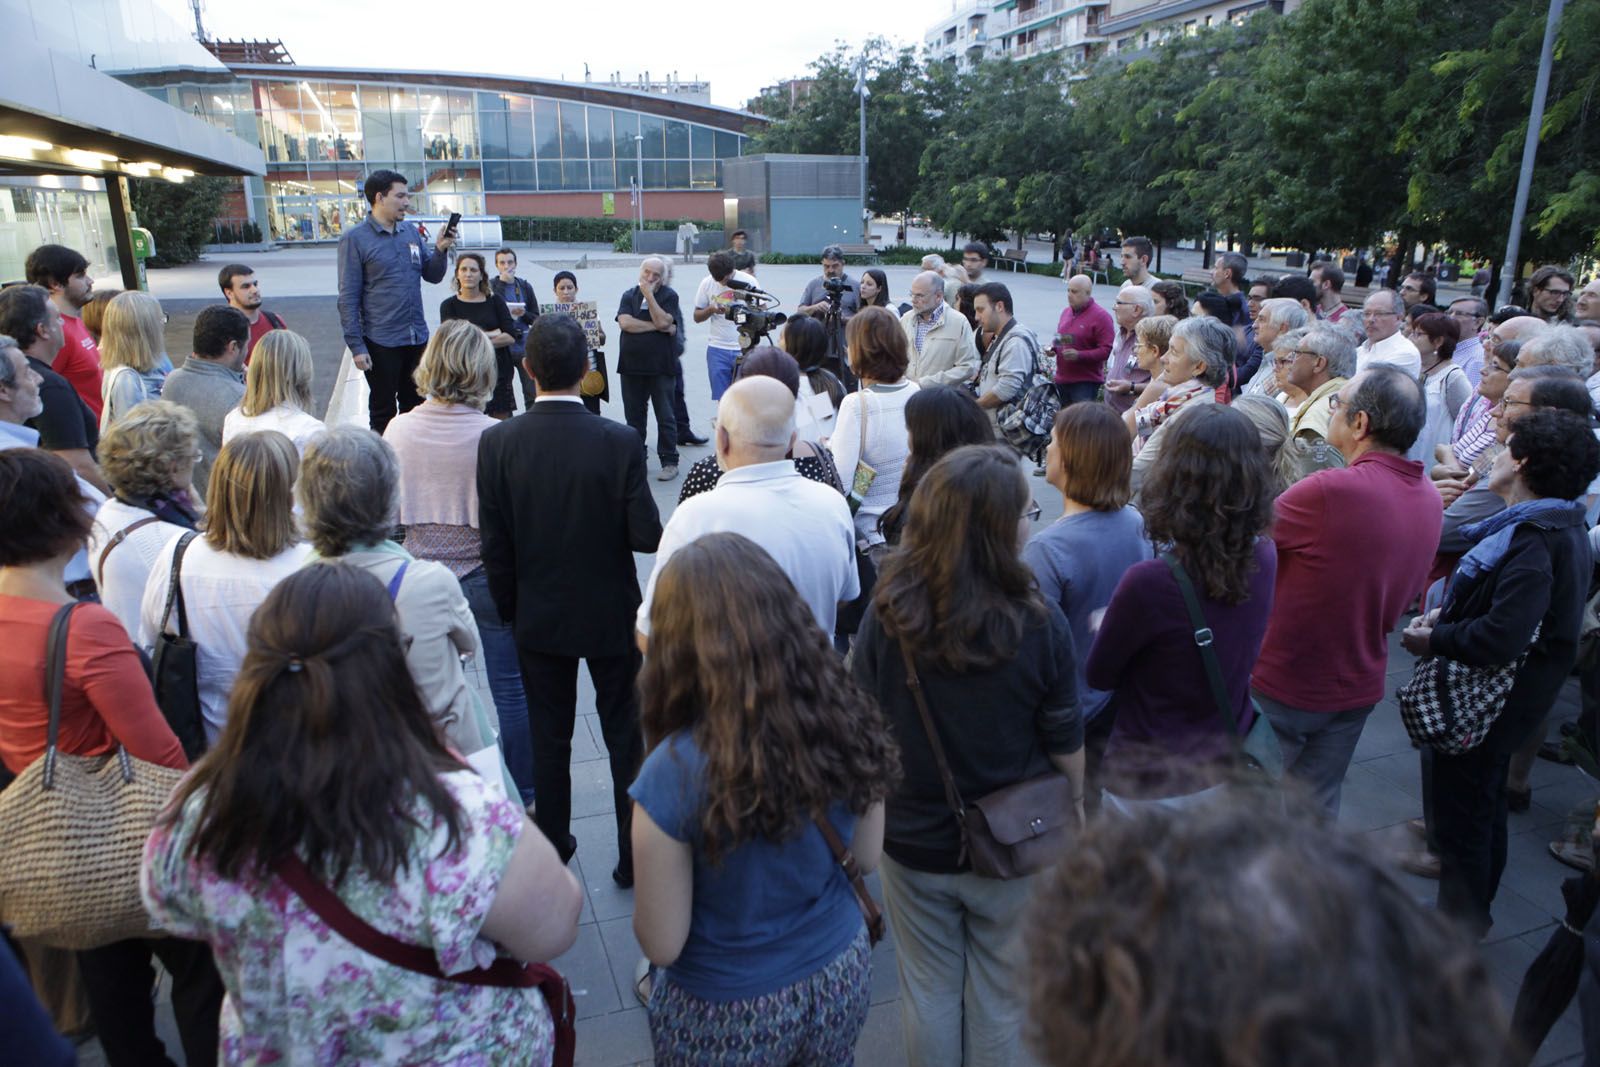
(711,302)
(833,297)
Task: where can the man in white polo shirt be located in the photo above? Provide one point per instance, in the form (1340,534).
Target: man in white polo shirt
(805,526)
(1382,316)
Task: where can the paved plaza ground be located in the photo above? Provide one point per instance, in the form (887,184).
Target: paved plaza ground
(1382,789)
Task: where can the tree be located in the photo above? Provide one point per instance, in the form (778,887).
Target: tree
(826,120)
(180,216)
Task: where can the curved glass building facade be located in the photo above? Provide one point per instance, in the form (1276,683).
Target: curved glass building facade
(468,143)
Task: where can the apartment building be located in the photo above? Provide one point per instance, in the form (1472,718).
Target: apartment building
(963,37)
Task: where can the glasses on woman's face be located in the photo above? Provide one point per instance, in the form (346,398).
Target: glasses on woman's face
(1033,511)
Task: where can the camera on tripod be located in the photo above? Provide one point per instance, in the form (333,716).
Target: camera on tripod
(835,288)
(754,322)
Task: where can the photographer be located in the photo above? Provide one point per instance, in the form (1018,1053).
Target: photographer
(711,302)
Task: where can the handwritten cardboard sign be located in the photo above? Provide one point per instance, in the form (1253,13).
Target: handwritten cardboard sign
(586,312)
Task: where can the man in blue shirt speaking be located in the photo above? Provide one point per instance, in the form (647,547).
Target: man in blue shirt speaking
(382,260)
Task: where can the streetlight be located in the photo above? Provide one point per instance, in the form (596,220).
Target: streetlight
(1530,148)
(638,176)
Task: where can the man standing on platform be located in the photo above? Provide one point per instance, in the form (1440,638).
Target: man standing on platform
(562,507)
(242,291)
(383,261)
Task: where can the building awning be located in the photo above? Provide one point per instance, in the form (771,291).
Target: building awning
(58,116)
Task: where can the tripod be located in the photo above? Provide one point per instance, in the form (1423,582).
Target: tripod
(833,326)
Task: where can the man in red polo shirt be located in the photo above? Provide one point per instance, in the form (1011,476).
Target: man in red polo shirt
(1354,549)
(65,273)
(241,289)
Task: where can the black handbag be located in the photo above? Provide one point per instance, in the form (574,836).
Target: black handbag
(176,675)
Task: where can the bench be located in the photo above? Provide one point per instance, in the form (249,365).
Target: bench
(1015,258)
(867,252)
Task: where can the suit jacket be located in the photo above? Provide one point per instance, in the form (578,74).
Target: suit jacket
(562,507)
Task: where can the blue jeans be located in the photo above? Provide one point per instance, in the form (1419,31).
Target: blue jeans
(1317,746)
(719,368)
(505,681)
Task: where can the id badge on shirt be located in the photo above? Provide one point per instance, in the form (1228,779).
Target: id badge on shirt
(416,255)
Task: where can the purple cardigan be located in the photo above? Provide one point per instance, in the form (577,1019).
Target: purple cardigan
(1167,737)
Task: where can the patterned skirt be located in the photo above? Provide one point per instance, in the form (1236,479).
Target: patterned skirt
(814,1022)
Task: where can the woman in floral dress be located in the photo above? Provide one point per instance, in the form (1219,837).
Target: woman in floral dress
(329,760)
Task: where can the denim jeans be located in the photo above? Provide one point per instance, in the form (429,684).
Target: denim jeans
(719,368)
(505,681)
(1317,746)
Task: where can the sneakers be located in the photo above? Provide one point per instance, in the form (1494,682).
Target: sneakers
(1577,856)
(667,473)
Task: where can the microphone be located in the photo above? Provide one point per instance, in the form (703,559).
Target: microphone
(743,286)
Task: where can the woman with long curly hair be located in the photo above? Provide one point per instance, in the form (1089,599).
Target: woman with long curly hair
(756,736)
(996,668)
(1207,503)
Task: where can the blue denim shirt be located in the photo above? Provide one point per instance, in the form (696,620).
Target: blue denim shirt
(380,295)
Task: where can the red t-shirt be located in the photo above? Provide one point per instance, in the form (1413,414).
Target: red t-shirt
(79,361)
(259,329)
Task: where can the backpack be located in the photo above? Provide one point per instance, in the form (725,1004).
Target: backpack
(1026,422)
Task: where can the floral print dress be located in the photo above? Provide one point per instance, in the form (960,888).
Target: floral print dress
(298,993)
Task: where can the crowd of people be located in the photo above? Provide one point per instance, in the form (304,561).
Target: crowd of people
(1095,765)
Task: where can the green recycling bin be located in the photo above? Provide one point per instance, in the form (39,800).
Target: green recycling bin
(144,246)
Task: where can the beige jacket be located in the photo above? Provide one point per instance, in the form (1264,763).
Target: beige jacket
(949,354)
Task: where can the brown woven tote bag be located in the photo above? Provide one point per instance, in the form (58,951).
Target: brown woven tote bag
(72,832)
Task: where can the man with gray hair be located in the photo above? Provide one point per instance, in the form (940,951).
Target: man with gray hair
(1228,276)
(1382,316)
(833,288)
(803,525)
(1278,316)
(1361,538)
(1560,346)
(647,359)
(1469,314)
(1124,379)
(943,350)
(1319,366)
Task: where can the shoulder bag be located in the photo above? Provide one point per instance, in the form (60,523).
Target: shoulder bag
(121,536)
(865,474)
(1013,831)
(1027,422)
(72,832)
(1257,751)
(1449,706)
(870,912)
(504,972)
(175,667)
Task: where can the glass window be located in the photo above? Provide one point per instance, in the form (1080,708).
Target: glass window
(463,135)
(575,175)
(546,133)
(703,142)
(600,140)
(403,99)
(627,173)
(460,103)
(655,174)
(522,175)
(283,96)
(727,145)
(677,174)
(677,140)
(335,96)
(374,98)
(496,176)
(703,174)
(491,102)
(407,136)
(495,143)
(519,128)
(627,124)
(653,130)
(377,130)
(549,176)
(602,174)
(574,135)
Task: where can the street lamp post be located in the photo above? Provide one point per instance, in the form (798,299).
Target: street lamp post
(1530,148)
(862,93)
(638,176)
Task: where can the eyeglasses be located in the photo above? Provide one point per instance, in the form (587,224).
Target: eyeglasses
(1552,289)
(1126,304)
(1368,314)
(1033,512)
(1503,404)
(1335,402)
(1466,315)
(1290,357)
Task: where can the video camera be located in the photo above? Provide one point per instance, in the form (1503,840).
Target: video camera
(835,289)
(753,312)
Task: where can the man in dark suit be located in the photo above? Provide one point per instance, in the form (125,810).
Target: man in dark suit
(562,507)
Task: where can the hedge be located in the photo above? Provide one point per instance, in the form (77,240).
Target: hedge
(583,231)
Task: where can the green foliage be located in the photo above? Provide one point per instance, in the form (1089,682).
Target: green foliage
(560,230)
(182,216)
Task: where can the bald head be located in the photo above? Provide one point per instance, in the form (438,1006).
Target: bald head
(1080,291)
(755,422)
(1523,328)
(927,292)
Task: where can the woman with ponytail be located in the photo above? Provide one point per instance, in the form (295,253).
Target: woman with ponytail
(330,780)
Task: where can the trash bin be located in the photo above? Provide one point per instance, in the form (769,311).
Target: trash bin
(144,246)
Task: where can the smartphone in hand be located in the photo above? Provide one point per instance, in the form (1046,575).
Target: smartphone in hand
(450,227)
